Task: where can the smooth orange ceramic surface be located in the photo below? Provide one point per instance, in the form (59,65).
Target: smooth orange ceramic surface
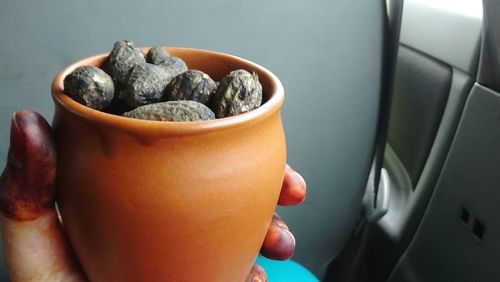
(169,201)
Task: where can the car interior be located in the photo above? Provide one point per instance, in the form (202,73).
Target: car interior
(391,114)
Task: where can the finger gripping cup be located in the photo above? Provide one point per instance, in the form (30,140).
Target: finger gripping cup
(169,201)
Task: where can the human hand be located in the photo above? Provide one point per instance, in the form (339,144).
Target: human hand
(35,247)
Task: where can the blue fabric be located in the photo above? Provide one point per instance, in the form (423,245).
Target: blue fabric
(285,271)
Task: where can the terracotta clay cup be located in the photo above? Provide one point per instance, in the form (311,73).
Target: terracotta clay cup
(169,201)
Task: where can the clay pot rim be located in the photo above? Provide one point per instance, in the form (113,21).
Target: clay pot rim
(269,107)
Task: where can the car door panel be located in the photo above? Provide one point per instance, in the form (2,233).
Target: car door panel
(458,237)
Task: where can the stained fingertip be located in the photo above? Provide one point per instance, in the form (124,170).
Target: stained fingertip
(293,190)
(279,243)
(26,184)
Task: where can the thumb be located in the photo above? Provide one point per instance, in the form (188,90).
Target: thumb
(35,248)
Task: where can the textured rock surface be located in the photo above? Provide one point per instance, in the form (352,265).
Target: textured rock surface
(122,59)
(191,85)
(238,92)
(172,111)
(145,85)
(90,86)
(157,55)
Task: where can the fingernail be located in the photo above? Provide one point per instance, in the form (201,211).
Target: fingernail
(278,221)
(17,137)
(290,236)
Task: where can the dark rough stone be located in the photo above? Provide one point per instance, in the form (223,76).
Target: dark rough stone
(90,86)
(238,92)
(172,111)
(174,65)
(157,55)
(122,59)
(191,85)
(145,85)
(160,57)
